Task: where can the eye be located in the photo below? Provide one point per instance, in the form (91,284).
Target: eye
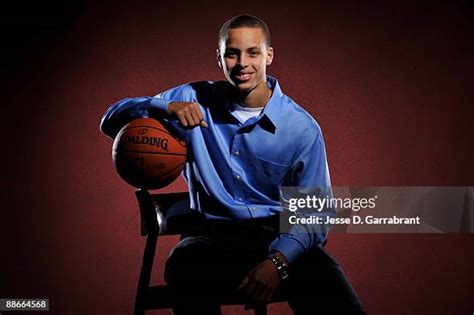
(230,54)
(253,53)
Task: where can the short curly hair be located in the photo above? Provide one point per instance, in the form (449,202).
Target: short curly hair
(244,20)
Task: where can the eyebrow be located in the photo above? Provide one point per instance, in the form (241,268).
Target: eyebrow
(251,48)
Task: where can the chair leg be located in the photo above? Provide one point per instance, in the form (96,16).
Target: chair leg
(261,310)
(145,274)
(138,311)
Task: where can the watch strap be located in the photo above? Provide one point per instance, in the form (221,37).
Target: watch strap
(282,267)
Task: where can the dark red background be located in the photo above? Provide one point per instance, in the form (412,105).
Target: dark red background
(390,85)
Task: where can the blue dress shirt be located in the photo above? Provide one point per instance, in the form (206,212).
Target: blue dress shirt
(235,170)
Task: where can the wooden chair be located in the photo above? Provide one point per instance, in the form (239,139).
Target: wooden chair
(168,214)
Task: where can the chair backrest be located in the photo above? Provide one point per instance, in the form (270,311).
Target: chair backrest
(166,213)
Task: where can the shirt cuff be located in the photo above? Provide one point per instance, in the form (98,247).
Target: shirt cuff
(159,104)
(288,246)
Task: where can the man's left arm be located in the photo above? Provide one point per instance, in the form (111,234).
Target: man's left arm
(309,172)
(308,177)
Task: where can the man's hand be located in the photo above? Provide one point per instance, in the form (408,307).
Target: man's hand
(188,113)
(261,282)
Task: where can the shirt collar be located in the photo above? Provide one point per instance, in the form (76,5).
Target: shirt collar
(273,108)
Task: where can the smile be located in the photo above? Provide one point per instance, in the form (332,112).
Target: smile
(243,76)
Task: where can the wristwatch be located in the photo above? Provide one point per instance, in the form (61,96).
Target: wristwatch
(282,267)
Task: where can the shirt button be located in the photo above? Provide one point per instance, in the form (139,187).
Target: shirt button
(237,152)
(253,208)
(237,177)
(240,198)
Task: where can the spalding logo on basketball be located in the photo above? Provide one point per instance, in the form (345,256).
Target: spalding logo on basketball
(146,155)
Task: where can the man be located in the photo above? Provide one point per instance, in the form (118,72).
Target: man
(246,139)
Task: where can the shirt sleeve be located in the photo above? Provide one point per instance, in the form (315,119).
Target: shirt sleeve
(309,175)
(128,109)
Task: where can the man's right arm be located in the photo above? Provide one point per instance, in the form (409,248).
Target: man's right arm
(123,112)
(175,105)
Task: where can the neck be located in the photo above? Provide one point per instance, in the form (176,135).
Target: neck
(258,97)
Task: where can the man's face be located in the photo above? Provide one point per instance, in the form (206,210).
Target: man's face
(244,57)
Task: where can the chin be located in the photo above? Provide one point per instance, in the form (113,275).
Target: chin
(244,87)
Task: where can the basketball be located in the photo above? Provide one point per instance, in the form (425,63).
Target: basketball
(146,155)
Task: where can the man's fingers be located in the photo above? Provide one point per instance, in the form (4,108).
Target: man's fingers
(243,283)
(188,113)
(203,124)
(195,117)
(268,297)
(198,112)
(251,289)
(260,294)
(182,119)
(198,116)
(255,290)
(189,120)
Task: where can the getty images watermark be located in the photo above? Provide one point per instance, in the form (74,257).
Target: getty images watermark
(379,209)
(355,204)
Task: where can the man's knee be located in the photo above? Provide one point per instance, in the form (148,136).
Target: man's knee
(314,264)
(188,260)
(318,279)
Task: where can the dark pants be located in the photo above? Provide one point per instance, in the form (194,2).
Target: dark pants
(214,259)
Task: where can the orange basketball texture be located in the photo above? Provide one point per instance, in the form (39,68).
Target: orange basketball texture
(146,155)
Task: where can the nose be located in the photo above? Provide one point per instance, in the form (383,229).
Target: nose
(242,61)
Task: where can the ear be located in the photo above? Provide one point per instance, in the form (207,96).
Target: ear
(218,57)
(270,55)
